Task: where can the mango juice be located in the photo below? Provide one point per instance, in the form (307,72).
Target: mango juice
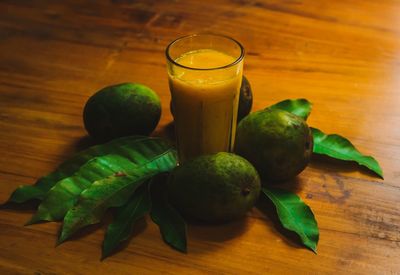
(205,97)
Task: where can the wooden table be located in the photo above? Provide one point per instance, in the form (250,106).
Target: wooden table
(344,56)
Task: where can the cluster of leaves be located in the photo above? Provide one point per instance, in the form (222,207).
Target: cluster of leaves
(129,174)
(118,174)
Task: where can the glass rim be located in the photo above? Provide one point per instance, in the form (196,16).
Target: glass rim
(237,60)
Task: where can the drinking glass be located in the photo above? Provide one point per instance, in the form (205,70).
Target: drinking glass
(205,74)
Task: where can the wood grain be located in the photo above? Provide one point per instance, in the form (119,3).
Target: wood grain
(344,56)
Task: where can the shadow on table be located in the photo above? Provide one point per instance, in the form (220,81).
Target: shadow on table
(216,233)
(294,185)
(83,143)
(29,206)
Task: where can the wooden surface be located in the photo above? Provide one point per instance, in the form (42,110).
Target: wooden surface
(344,56)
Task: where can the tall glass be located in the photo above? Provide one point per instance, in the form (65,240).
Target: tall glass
(205,74)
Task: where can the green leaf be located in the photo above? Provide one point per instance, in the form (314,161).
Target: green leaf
(171,224)
(64,194)
(120,229)
(127,157)
(69,167)
(338,147)
(300,107)
(294,215)
(113,191)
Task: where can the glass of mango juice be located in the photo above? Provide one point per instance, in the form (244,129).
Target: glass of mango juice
(205,74)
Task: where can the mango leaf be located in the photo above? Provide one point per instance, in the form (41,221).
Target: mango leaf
(294,215)
(171,224)
(339,147)
(113,191)
(94,201)
(68,168)
(300,107)
(64,194)
(121,227)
